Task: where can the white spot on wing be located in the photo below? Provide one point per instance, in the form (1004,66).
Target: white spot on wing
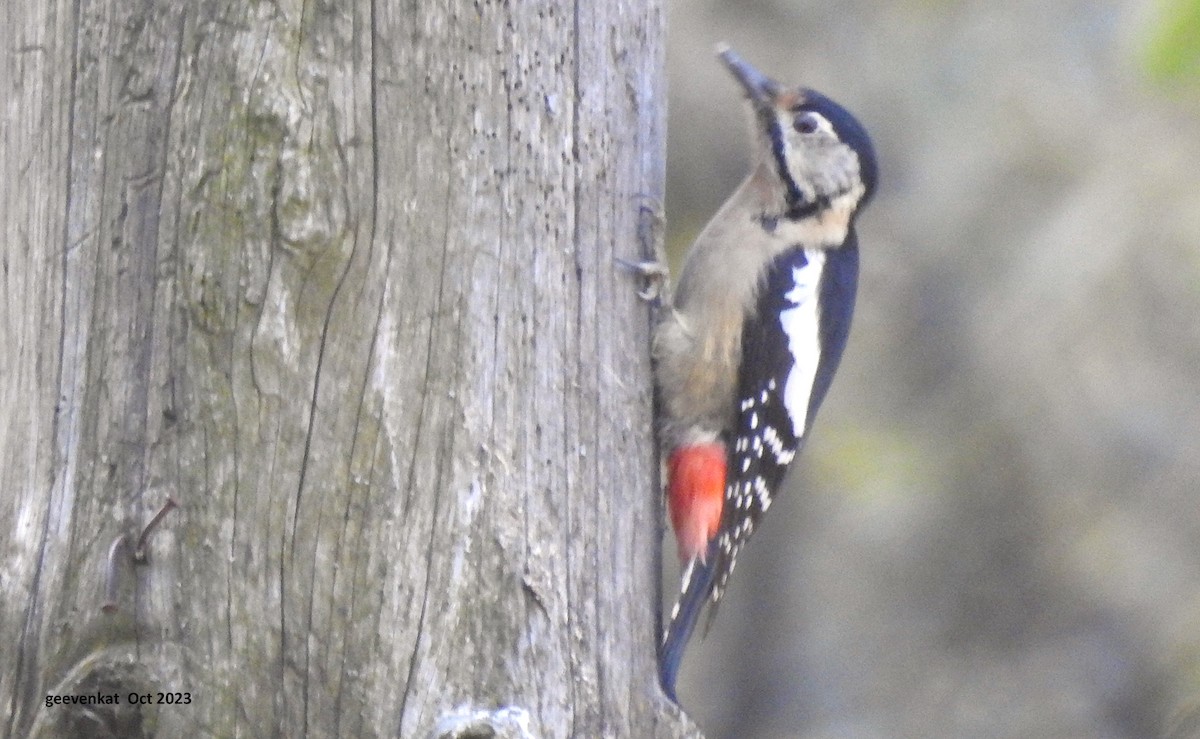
(802,326)
(686,582)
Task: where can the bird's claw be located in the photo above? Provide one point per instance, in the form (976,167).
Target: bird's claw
(654,273)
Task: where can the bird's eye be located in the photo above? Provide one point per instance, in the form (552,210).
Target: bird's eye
(809,122)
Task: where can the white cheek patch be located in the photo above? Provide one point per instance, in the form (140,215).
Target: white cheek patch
(801,324)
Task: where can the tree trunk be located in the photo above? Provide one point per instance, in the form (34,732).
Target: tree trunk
(337,278)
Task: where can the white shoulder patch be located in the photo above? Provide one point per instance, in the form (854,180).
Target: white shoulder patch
(801,323)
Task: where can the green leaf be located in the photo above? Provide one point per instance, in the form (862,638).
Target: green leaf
(1171,55)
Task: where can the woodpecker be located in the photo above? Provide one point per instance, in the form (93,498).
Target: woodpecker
(747,346)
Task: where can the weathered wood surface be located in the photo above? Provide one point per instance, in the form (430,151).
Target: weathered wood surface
(338,279)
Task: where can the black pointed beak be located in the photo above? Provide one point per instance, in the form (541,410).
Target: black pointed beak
(761,89)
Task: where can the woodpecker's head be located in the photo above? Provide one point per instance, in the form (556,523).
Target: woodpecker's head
(820,154)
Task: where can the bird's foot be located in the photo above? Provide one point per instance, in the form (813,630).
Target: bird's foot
(654,273)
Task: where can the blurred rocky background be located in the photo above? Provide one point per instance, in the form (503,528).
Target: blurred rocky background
(995,529)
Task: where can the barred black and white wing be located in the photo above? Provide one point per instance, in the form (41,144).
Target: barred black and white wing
(791,347)
(790,351)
